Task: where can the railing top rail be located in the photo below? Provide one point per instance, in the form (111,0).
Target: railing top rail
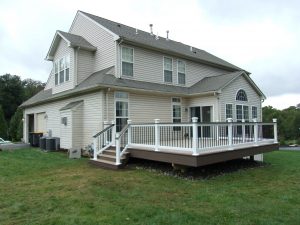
(104,130)
(205,124)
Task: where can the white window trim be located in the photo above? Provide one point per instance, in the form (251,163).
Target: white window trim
(121,59)
(252,106)
(124,100)
(168,70)
(184,72)
(57,61)
(243,117)
(232,108)
(179,104)
(238,92)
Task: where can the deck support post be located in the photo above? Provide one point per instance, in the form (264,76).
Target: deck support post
(157,134)
(118,162)
(229,120)
(129,131)
(95,148)
(243,130)
(113,134)
(195,135)
(255,132)
(275,131)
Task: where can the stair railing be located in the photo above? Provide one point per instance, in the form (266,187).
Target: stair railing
(122,141)
(103,140)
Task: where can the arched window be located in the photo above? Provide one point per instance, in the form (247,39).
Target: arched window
(241,95)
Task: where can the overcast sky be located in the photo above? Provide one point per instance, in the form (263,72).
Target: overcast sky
(261,37)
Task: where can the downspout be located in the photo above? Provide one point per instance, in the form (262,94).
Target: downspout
(118,63)
(76,66)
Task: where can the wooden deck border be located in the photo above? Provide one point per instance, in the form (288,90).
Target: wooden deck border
(203,159)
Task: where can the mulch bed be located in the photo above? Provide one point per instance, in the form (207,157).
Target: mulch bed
(192,173)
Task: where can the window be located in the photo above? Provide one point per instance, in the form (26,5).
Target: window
(254,112)
(168,70)
(62,70)
(181,72)
(121,100)
(176,108)
(229,111)
(127,61)
(241,96)
(242,112)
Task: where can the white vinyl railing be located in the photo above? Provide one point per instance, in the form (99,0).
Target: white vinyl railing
(193,137)
(103,140)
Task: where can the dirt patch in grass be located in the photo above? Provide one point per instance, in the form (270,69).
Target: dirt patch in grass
(192,173)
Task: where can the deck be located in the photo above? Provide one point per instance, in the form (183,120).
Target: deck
(190,144)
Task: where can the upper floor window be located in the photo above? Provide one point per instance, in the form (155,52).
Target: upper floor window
(127,61)
(62,70)
(241,95)
(181,72)
(168,69)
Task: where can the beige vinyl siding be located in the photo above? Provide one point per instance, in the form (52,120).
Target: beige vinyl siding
(144,108)
(85,65)
(206,101)
(148,66)
(61,51)
(66,130)
(105,55)
(77,121)
(92,120)
(228,96)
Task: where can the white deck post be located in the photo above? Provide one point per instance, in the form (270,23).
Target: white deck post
(275,131)
(118,162)
(229,120)
(129,131)
(95,148)
(113,134)
(195,135)
(255,132)
(157,134)
(243,130)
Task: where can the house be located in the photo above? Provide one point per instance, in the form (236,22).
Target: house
(105,71)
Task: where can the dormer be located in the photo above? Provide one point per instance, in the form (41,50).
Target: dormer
(63,53)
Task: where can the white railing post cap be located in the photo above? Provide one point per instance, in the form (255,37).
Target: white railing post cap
(113,122)
(195,119)
(254,120)
(156,120)
(229,120)
(243,120)
(274,120)
(129,121)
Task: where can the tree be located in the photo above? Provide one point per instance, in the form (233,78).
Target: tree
(31,87)
(16,126)
(11,94)
(3,125)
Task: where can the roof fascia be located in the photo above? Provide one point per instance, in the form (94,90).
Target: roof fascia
(50,57)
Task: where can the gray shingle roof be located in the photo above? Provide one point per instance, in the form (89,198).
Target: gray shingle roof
(144,38)
(104,78)
(71,105)
(77,41)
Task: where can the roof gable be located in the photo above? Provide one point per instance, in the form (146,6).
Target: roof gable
(72,41)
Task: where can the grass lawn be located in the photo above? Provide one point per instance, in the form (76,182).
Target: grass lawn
(48,188)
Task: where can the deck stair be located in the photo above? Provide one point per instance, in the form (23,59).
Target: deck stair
(107,159)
